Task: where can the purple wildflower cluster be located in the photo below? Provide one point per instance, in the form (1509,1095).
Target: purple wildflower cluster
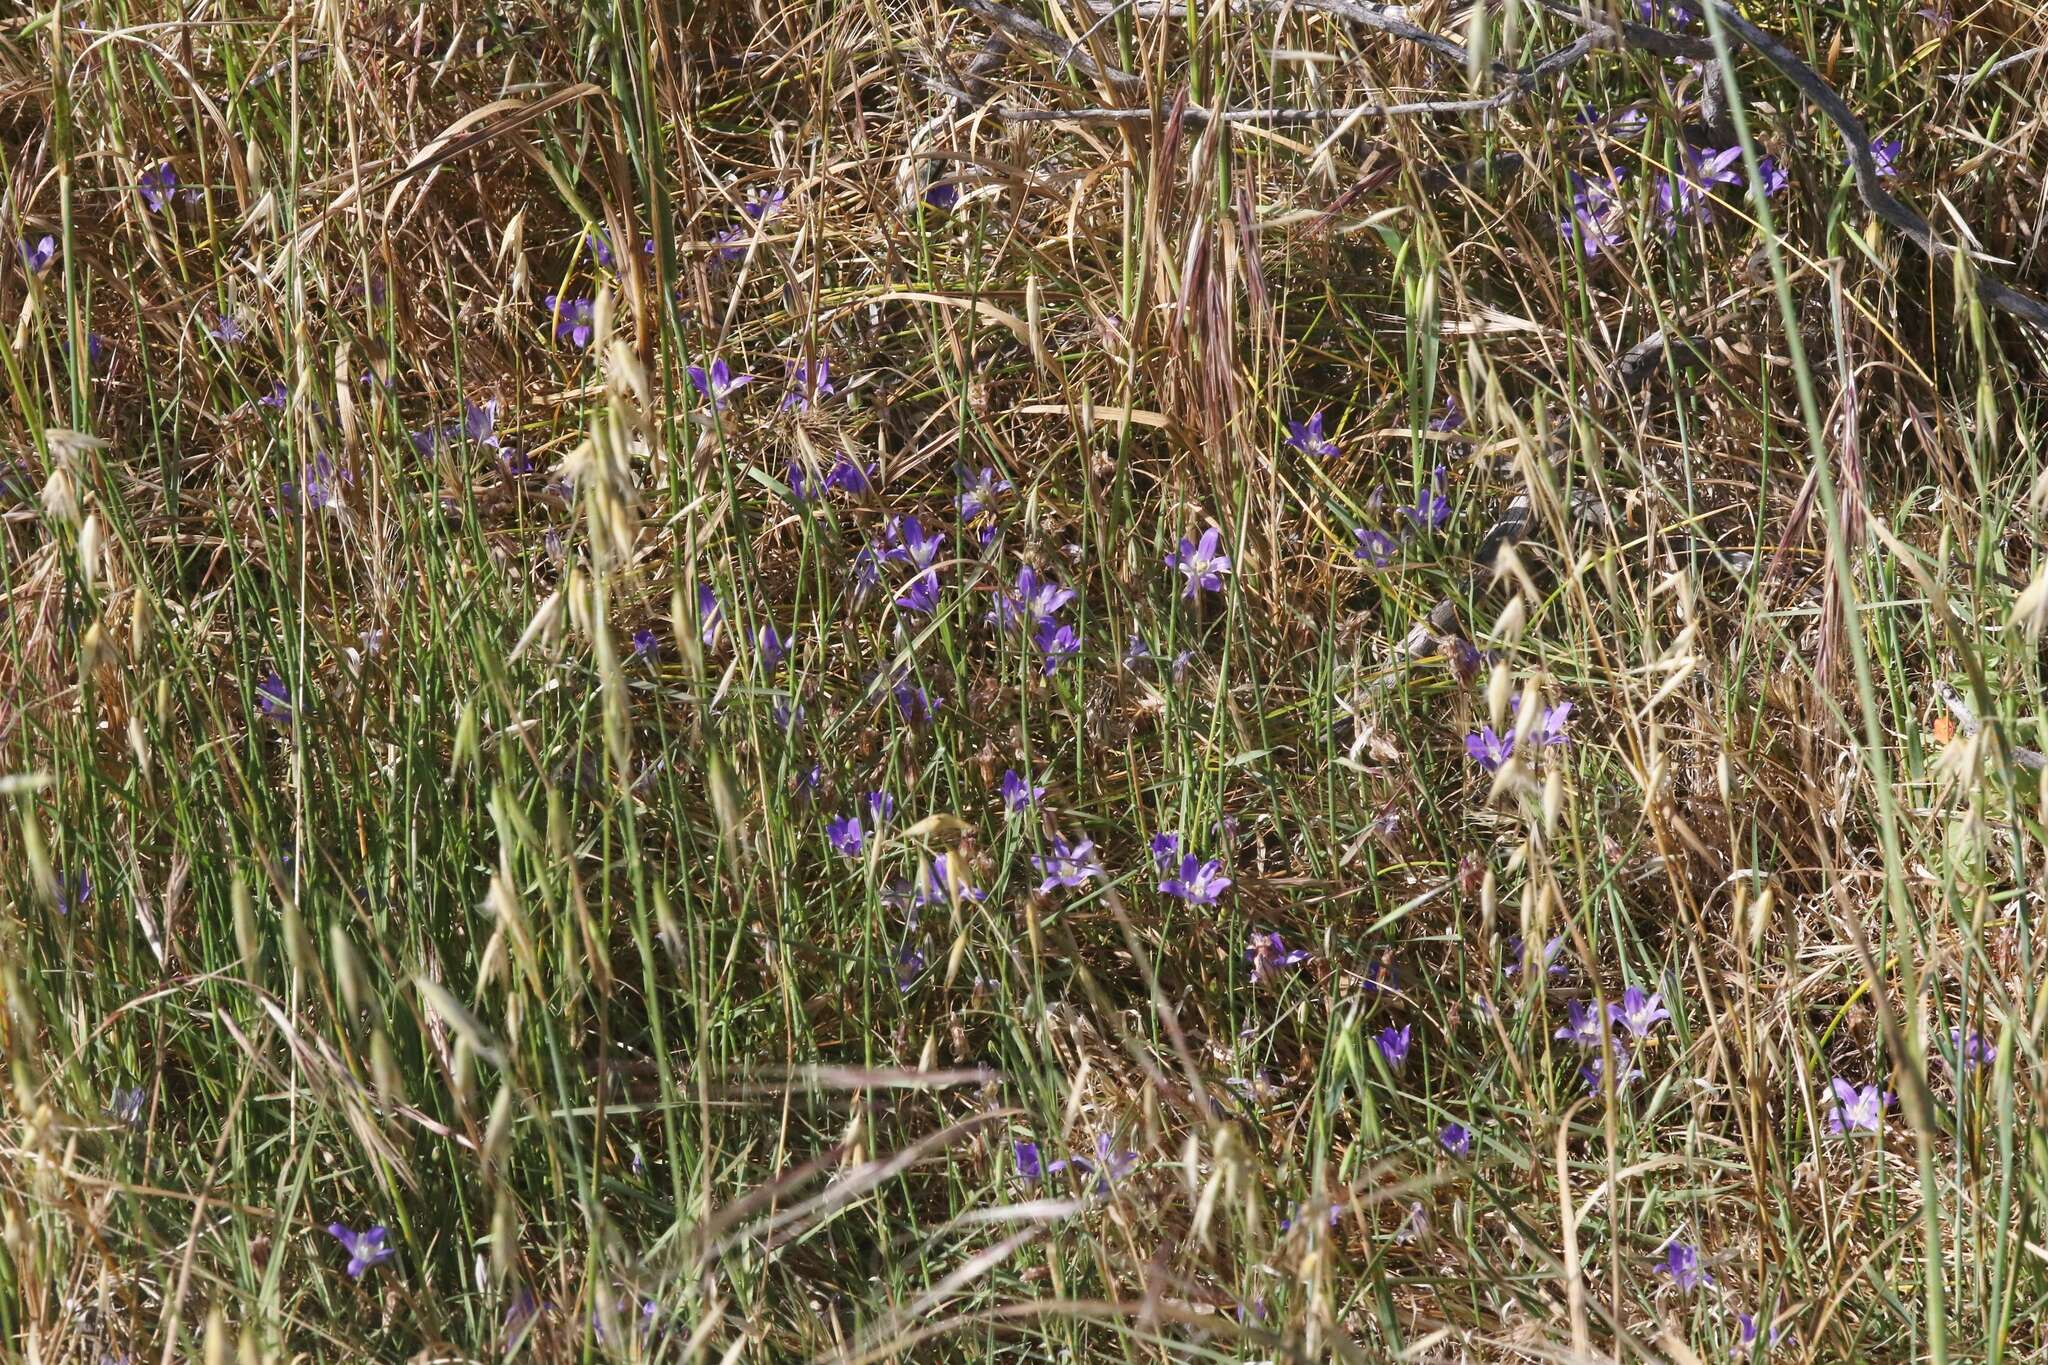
(1491,750)
(1107,1165)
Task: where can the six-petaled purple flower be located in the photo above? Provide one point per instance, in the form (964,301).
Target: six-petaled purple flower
(365,1249)
(1197,882)
(1068,865)
(1638,1013)
(1268,953)
(1857,1110)
(1682,1264)
(1308,438)
(157,185)
(718,383)
(1203,565)
(574,319)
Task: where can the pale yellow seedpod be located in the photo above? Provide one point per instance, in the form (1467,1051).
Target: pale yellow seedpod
(89,550)
(1032,306)
(1553,801)
(1513,620)
(141,619)
(248,939)
(348,971)
(544,628)
(138,744)
(504,1235)
(499,1129)
(217,1349)
(298,947)
(385,1073)
(1760,918)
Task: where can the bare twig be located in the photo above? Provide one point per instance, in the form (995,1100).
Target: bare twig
(1043,38)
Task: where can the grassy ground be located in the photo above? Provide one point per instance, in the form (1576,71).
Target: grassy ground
(429,725)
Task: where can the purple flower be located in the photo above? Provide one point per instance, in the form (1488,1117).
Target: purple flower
(941,882)
(1376,547)
(774,649)
(1017,793)
(979,493)
(1626,1070)
(1393,1044)
(1203,565)
(910,545)
(157,185)
(764,203)
(1857,1111)
(1029,1165)
(1489,750)
(38,257)
(1196,882)
(1771,175)
(572,318)
(1597,213)
(1456,1139)
(916,705)
(1637,1013)
(801,489)
(718,383)
(1682,1264)
(1165,850)
(320,490)
(1689,193)
(126,1108)
(881,808)
(1550,730)
(847,476)
(72,894)
(709,615)
(645,642)
(1034,603)
(1551,949)
(365,1249)
(1268,953)
(1307,437)
(1432,509)
(1070,865)
(277,397)
(228,331)
(808,385)
(1452,419)
(846,836)
(942,194)
(1886,154)
(1582,1025)
(274,698)
(1107,1166)
(909,963)
(1057,643)
(1972,1049)
(480,422)
(1746,1328)
(921,594)
(731,243)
